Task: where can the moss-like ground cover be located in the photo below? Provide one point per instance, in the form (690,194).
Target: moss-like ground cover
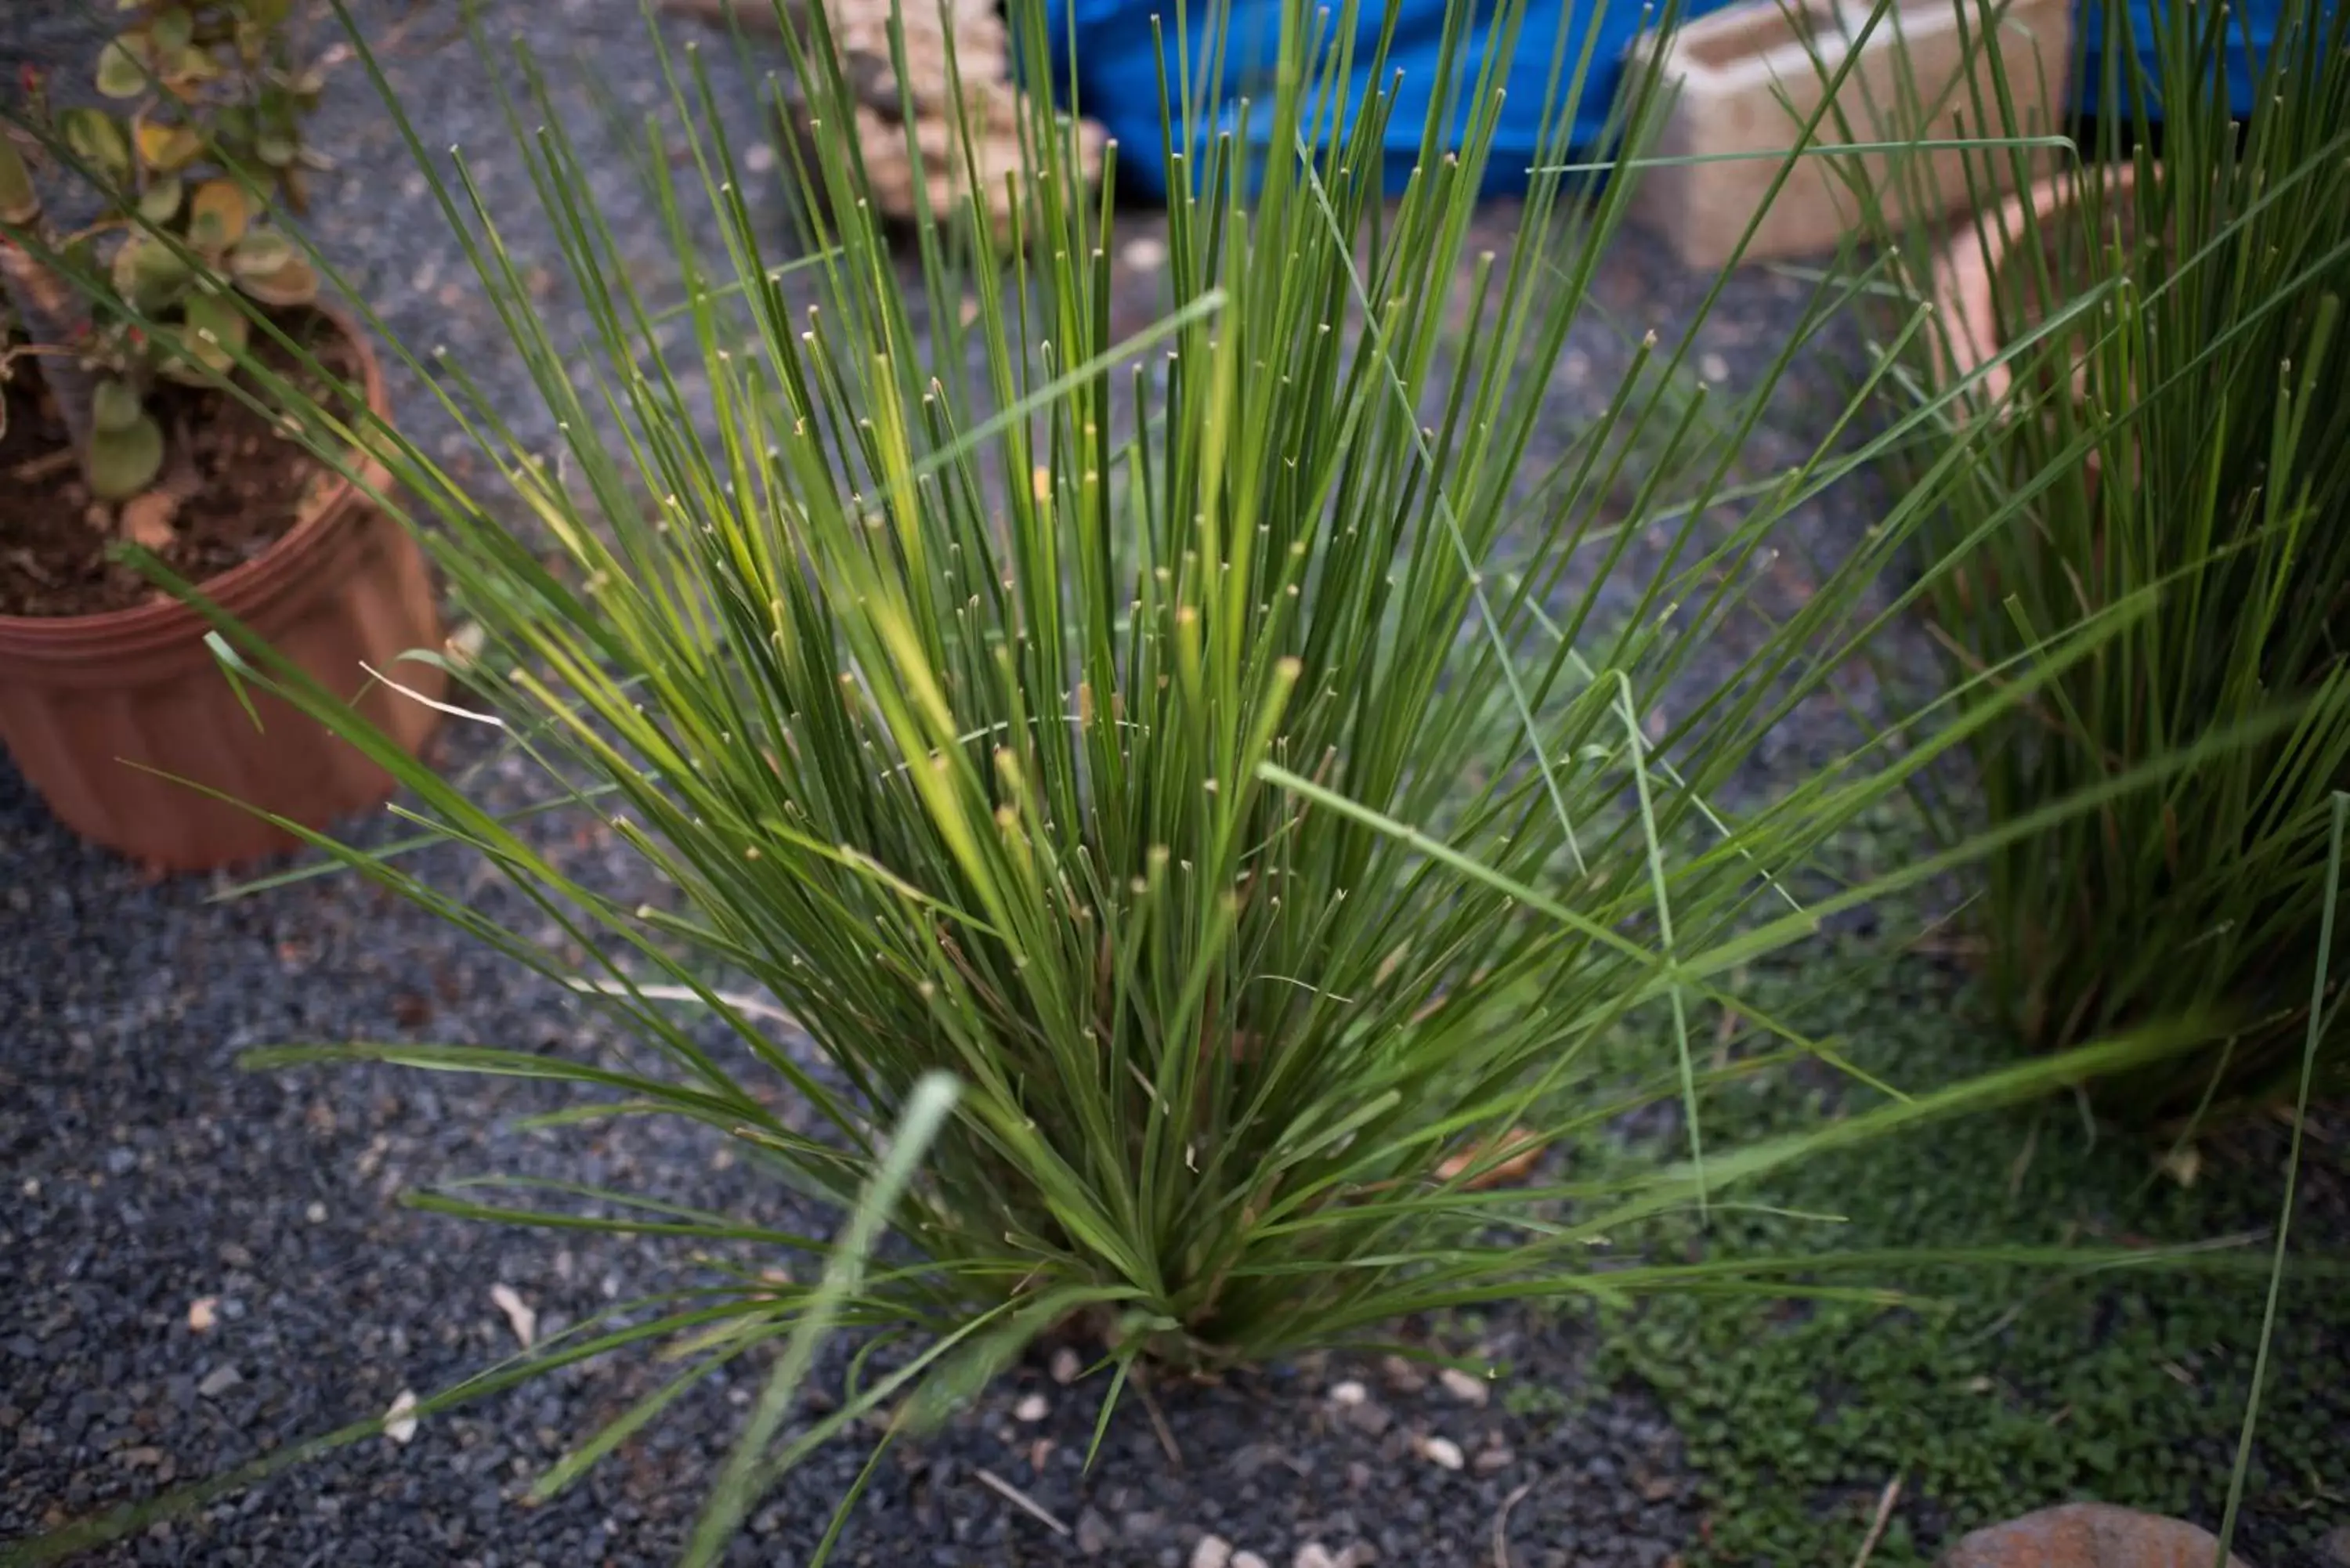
(1995,1390)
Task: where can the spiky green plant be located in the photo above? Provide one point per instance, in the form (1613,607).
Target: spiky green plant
(211,130)
(2180,434)
(1139,731)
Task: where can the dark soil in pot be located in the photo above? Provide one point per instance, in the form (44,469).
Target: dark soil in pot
(237,483)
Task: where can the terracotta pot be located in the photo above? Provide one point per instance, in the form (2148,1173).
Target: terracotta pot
(1973,263)
(1968,278)
(82,698)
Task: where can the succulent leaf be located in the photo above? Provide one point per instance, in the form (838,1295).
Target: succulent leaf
(173,29)
(191,65)
(166,149)
(114,407)
(216,333)
(217,215)
(160,203)
(149,272)
(260,253)
(292,283)
(125,461)
(232,129)
(96,140)
(19,202)
(123,67)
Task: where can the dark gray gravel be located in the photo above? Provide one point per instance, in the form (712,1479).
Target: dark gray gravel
(144,1173)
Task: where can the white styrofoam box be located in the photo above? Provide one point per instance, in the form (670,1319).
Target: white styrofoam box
(1746,79)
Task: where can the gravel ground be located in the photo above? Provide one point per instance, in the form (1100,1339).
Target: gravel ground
(148,1175)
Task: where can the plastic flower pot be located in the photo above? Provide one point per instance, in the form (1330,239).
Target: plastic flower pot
(1746,80)
(104,713)
(1981,283)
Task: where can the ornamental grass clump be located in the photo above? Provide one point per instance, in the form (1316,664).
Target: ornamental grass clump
(2182,439)
(1137,731)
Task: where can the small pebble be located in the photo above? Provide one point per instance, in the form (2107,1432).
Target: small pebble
(1348,1393)
(1465,1387)
(398,1424)
(1442,1453)
(1247,1560)
(1065,1366)
(317,1213)
(1144,255)
(1212,1552)
(1092,1532)
(1313,1554)
(1031,1410)
(202,1313)
(219,1381)
(1402,1376)
(1713,368)
(1493,1461)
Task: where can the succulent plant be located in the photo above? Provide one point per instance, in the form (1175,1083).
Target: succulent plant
(207,137)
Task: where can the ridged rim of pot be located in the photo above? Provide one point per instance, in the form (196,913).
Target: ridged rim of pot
(248,591)
(1970,270)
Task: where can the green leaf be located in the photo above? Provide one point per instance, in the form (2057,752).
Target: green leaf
(160,203)
(96,137)
(216,332)
(172,29)
(115,407)
(123,68)
(149,272)
(20,201)
(123,463)
(261,253)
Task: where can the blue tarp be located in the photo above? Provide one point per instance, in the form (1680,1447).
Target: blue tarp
(1117,67)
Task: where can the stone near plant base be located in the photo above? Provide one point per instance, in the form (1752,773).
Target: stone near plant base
(1745,80)
(2089,1535)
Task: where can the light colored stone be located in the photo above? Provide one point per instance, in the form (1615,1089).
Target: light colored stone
(1402,1375)
(1212,1552)
(1065,1366)
(1031,1410)
(1313,1554)
(2335,1547)
(1442,1453)
(399,1421)
(1465,1387)
(2088,1535)
(1348,1393)
(991,105)
(1247,1560)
